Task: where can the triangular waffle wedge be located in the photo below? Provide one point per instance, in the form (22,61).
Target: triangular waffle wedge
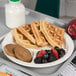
(21,39)
(53,34)
(39,38)
(27,32)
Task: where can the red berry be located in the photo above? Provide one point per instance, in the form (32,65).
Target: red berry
(55,53)
(41,53)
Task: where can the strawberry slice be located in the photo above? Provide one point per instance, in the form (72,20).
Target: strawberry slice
(55,53)
(41,53)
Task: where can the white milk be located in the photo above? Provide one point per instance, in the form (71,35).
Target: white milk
(14,14)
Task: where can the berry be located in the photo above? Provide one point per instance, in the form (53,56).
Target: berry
(52,58)
(41,53)
(45,56)
(56,47)
(48,51)
(58,50)
(44,61)
(62,50)
(62,53)
(55,53)
(37,60)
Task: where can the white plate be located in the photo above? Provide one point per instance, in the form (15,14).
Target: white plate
(68,45)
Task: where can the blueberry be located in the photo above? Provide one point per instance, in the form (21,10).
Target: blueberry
(48,51)
(45,56)
(62,50)
(58,50)
(37,60)
(62,53)
(52,58)
(56,47)
(44,60)
(60,56)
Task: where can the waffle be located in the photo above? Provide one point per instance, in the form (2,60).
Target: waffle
(22,40)
(27,32)
(39,38)
(53,34)
(38,34)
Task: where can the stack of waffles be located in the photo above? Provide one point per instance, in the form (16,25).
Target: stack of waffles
(38,34)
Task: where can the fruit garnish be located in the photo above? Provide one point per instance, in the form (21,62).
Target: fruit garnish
(41,53)
(56,47)
(52,58)
(37,60)
(45,56)
(58,50)
(71,29)
(44,61)
(62,53)
(48,51)
(55,53)
(62,50)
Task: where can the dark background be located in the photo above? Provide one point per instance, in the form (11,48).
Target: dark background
(49,7)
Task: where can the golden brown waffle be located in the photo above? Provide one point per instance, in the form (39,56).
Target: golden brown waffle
(21,39)
(27,32)
(40,40)
(38,33)
(53,34)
